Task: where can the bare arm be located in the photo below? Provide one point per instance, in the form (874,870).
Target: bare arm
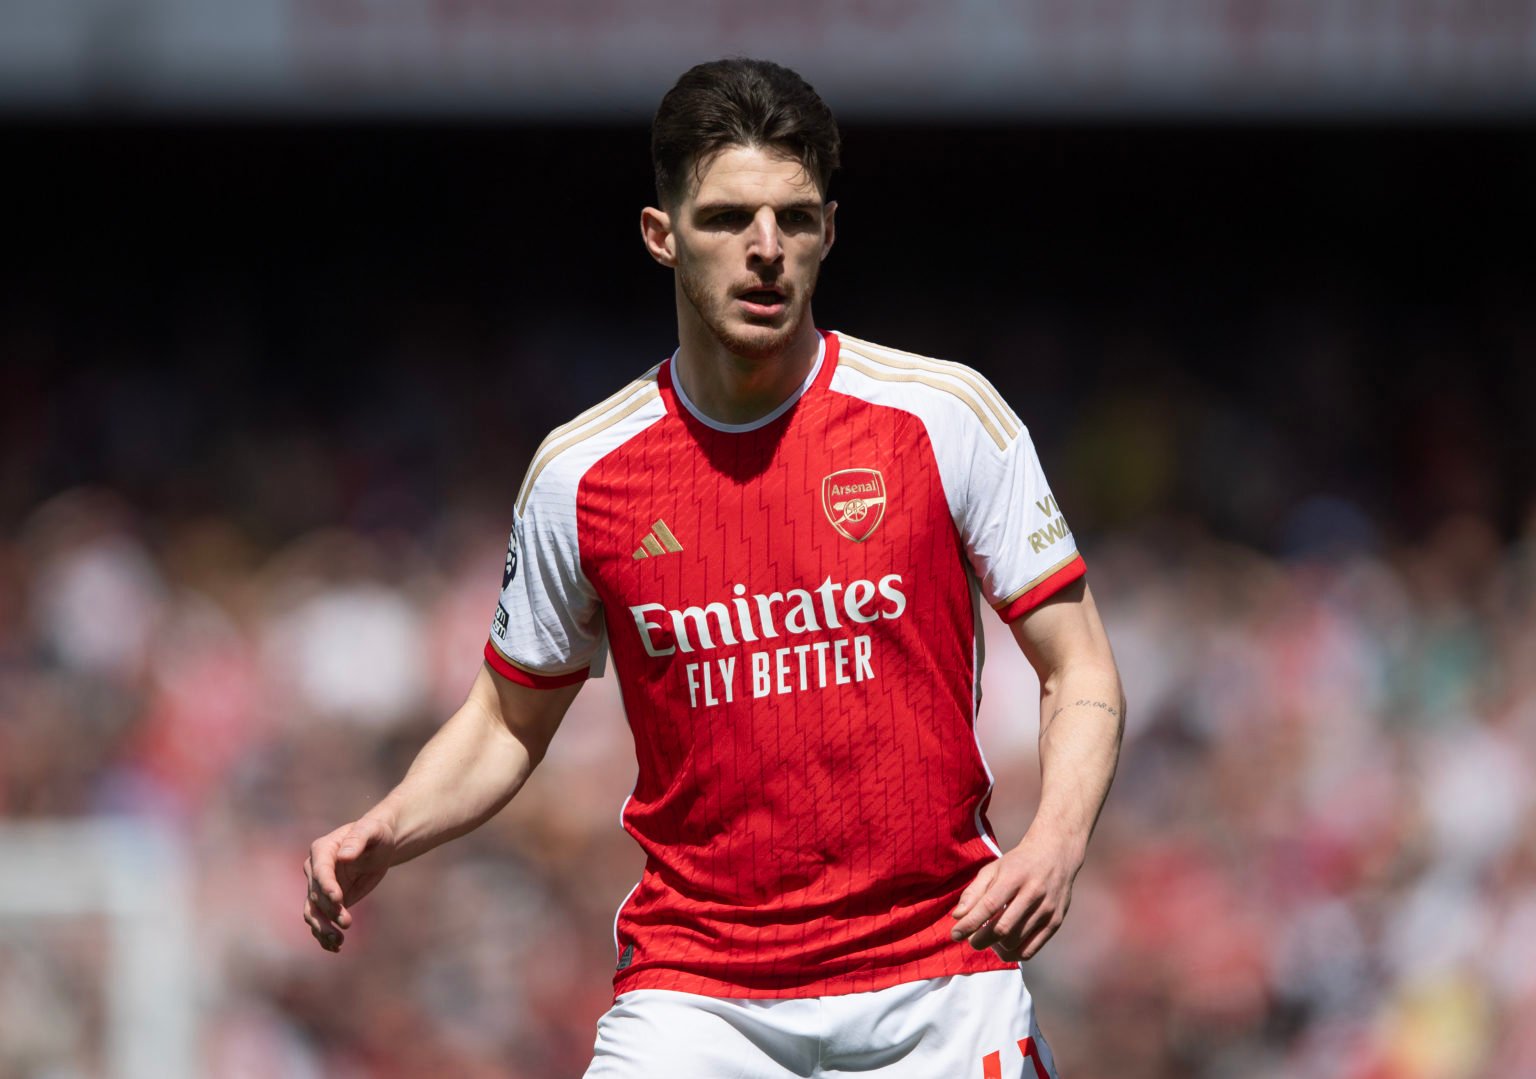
(1017,903)
(462,777)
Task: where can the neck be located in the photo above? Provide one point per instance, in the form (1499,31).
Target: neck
(734,389)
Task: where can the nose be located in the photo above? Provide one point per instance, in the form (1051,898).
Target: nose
(765,241)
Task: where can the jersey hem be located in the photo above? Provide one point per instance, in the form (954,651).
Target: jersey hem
(963,960)
(1042,589)
(532,679)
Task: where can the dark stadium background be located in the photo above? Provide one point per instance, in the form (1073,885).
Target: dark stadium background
(1357,297)
(1281,374)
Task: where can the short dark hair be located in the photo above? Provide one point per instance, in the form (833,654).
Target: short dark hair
(739,102)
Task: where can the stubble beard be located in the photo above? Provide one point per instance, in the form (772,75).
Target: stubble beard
(752,341)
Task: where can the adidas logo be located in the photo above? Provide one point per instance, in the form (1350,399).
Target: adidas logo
(658,541)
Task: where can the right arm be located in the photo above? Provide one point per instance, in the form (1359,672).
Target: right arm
(462,777)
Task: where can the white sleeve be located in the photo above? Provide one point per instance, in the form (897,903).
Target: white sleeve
(548,628)
(1016,539)
(1015,533)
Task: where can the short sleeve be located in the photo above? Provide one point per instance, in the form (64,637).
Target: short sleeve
(1015,536)
(1015,533)
(548,627)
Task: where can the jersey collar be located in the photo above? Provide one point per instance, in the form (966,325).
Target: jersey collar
(679,403)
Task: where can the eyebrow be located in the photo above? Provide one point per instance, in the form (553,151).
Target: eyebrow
(710,207)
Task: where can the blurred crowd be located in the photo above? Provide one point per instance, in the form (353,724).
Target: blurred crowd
(1319,858)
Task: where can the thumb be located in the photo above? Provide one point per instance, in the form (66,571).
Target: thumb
(358,838)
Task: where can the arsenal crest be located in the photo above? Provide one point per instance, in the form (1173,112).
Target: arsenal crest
(854,501)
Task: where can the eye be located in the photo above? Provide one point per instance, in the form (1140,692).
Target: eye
(799,218)
(727,219)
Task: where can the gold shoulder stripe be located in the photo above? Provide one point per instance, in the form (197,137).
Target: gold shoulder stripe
(896,358)
(889,374)
(1002,604)
(972,378)
(602,406)
(597,410)
(619,407)
(590,414)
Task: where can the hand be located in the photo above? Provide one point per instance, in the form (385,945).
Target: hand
(1017,903)
(342,867)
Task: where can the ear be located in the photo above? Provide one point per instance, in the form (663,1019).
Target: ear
(828,228)
(656,233)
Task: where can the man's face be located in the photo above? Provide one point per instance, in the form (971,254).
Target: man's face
(747,244)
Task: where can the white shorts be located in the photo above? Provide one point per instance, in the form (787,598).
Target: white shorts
(970,1026)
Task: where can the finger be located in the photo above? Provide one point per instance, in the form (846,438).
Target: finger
(334,913)
(331,909)
(981,912)
(1007,954)
(323,886)
(1030,945)
(311,889)
(996,933)
(319,898)
(1009,943)
(974,891)
(1038,915)
(318,921)
(357,840)
(983,938)
(322,929)
(1022,909)
(354,844)
(344,845)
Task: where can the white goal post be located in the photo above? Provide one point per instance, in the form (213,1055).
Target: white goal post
(132,874)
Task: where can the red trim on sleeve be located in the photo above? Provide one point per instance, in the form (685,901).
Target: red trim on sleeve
(1045,589)
(512,673)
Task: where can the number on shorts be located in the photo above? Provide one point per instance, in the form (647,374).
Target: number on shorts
(992,1063)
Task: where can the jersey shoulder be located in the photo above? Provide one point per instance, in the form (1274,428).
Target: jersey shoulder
(950,398)
(571,449)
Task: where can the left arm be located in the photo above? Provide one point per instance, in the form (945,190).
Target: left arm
(1016,903)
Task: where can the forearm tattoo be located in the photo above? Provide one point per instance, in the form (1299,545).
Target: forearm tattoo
(1085,703)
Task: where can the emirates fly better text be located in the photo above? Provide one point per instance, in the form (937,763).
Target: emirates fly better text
(827,660)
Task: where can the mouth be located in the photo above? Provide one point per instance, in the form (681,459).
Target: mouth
(763,302)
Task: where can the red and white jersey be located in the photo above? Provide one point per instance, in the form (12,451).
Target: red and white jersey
(792,609)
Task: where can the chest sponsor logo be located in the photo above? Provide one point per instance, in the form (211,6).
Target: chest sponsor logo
(854,500)
(828,617)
